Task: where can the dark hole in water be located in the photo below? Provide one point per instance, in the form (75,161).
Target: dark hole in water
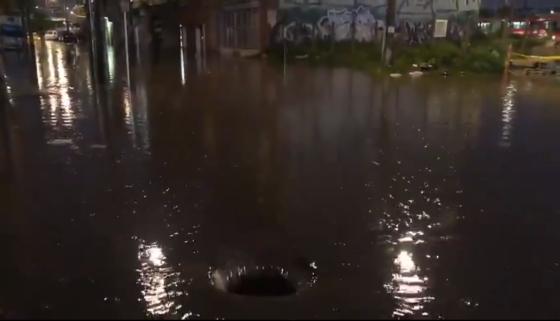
(262,284)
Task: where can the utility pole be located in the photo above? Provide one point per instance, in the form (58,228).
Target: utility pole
(390,21)
(354,16)
(125,7)
(96,45)
(25,9)
(510,7)
(66,15)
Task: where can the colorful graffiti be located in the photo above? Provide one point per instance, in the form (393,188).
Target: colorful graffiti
(302,21)
(414,33)
(339,24)
(343,24)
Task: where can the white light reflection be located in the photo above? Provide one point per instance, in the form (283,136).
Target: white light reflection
(10,95)
(508,113)
(408,229)
(183,68)
(161,284)
(408,287)
(111,62)
(182,41)
(155,255)
(405,263)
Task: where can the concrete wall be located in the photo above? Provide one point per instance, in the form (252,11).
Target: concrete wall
(327,19)
(244,26)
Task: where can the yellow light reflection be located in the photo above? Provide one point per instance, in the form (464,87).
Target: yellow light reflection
(50,63)
(127,107)
(40,79)
(60,113)
(63,83)
(129,117)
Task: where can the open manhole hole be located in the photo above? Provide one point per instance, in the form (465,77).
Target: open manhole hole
(261,281)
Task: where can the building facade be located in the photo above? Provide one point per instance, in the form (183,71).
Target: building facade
(248,27)
(244,26)
(363,20)
(253,25)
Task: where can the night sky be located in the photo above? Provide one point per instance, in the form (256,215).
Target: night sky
(531,3)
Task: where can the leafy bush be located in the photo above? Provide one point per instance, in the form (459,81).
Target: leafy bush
(526,46)
(482,55)
(484,60)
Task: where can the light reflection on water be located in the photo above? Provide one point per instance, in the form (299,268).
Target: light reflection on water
(111,62)
(38,66)
(411,219)
(50,63)
(67,113)
(408,222)
(128,116)
(508,114)
(136,110)
(161,283)
(59,110)
(408,286)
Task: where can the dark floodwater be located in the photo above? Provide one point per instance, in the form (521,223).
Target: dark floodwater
(380,198)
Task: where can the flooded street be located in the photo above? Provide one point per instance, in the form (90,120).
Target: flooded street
(375,198)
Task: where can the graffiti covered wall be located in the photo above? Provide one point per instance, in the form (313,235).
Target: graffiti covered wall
(364,20)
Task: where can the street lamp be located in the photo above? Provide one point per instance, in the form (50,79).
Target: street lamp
(67,8)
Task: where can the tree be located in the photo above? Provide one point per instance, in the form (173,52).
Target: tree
(40,22)
(486,13)
(505,12)
(7,6)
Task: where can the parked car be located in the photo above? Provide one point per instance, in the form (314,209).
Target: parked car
(51,35)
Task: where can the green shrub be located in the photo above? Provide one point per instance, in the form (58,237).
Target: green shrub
(483,55)
(484,60)
(526,45)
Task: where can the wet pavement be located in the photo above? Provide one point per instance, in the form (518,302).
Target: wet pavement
(375,198)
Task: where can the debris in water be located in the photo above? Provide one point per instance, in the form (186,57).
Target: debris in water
(59,142)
